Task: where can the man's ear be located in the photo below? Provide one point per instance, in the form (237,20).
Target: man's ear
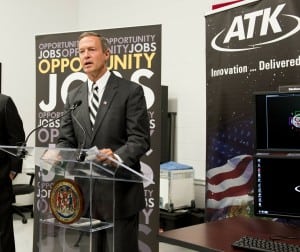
(107,54)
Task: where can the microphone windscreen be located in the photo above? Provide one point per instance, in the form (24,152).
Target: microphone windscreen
(77,103)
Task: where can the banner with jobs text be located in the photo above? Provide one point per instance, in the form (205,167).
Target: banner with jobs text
(252,46)
(136,56)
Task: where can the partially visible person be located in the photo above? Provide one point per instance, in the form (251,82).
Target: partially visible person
(11,134)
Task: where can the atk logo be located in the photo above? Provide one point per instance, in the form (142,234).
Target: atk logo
(259,23)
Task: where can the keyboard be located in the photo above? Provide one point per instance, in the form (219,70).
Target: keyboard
(259,244)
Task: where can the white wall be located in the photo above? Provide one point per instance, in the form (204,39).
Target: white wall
(183,54)
(20,22)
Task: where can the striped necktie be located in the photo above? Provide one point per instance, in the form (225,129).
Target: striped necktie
(94,104)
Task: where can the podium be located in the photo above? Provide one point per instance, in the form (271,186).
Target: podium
(76,197)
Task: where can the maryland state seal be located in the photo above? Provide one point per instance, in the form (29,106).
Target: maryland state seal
(66,201)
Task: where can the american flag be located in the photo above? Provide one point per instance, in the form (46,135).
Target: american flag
(230,187)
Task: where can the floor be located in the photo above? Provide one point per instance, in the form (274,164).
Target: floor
(24,234)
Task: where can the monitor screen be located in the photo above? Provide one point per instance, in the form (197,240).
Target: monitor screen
(277,185)
(277,121)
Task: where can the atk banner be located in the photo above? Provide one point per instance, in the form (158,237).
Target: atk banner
(136,56)
(251,47)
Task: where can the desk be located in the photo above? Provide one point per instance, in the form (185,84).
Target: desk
(219,235)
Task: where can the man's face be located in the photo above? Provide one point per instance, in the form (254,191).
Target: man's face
(92,57)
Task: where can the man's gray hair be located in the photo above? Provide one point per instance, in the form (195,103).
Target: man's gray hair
(103,40)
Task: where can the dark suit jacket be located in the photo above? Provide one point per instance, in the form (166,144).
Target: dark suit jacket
(11,134)
(122,124)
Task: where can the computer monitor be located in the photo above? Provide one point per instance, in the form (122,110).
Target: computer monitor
(277,185)
(277,121)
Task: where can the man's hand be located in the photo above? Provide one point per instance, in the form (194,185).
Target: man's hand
(107,156)
(51,156)
(12,175)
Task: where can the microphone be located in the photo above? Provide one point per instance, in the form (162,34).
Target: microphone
(21,153)
(74,106)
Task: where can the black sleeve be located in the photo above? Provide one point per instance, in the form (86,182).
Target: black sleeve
(15,132)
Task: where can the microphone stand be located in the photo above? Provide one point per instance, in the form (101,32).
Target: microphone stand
(82,154)
(21,152)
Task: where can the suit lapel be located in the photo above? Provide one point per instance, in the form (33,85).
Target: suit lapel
(106,101)
(83,113)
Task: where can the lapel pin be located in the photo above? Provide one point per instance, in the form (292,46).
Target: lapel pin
(105,103)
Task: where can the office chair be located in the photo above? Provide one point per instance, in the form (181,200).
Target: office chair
(23,189)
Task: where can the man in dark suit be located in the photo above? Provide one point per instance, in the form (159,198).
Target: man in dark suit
(120,131)
(11,134)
